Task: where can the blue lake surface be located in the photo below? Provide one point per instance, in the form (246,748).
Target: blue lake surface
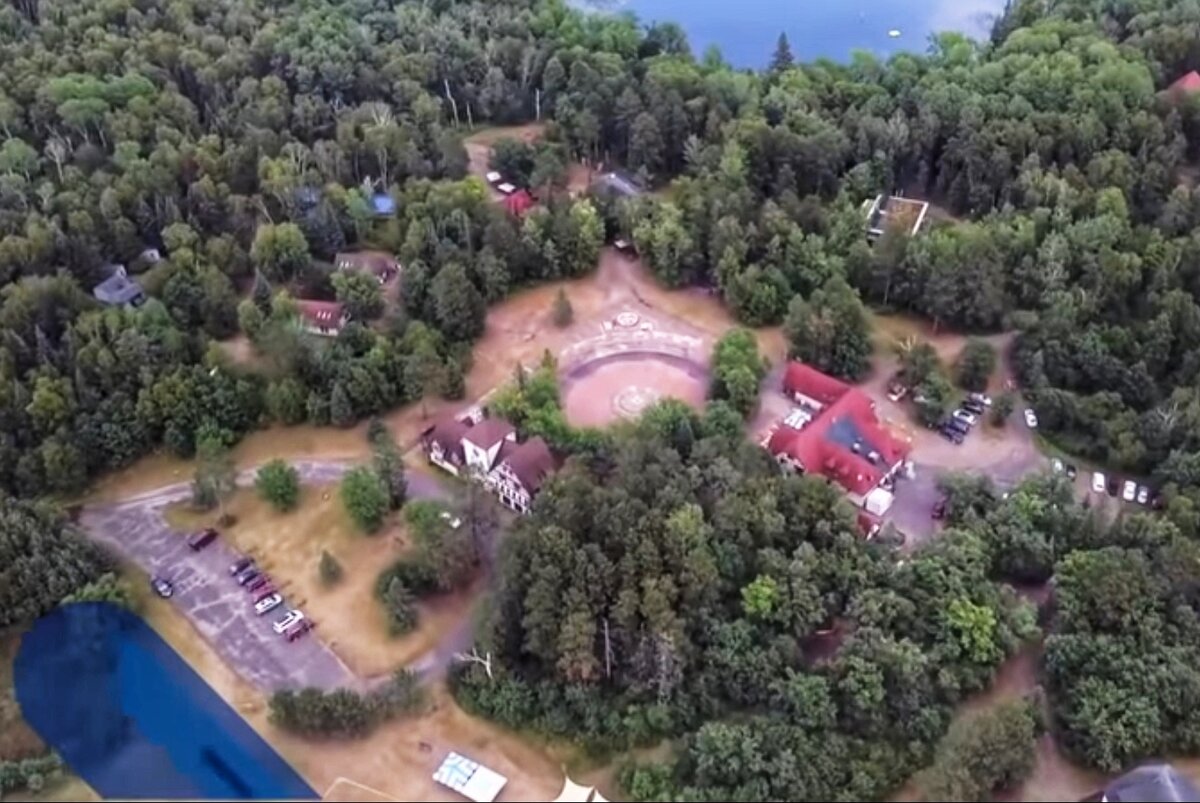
(746,30)
(131,718)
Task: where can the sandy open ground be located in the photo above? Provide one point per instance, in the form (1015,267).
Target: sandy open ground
(622,387)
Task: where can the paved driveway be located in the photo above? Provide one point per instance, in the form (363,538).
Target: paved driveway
(216,605)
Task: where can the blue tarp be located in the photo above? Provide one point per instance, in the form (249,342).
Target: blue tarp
(131,718)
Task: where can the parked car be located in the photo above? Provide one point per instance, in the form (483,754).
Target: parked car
(1129,491)
(953,435)
(1058,466)
(1098,482)
(980,398)
(1143,495)
(1030,418)
(246,576)
(258,583)
(264,592)
(197,541)
(299,629)
(287,620)
(162,586)
(967,418)
(939,510)
(974,408)
(1157,502)
(240,565)
(1072,472)
(1114,486)
(268,604)
(957,424)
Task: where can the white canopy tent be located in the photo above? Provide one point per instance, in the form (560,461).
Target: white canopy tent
(469,778)
(599,798)
(878,501)
(574,793)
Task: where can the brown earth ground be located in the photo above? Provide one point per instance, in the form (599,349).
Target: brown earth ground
(479,151)
(622,389)
(352,622)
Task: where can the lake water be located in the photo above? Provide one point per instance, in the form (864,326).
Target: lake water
(746,30)
(131,718)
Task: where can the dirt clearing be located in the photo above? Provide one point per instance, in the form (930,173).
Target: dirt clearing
(622,387)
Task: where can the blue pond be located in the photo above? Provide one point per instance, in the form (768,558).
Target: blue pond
(746,30)
(131,718)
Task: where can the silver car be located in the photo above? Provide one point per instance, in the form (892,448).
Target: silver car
(268,604)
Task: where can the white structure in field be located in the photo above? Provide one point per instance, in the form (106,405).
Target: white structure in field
(470,779)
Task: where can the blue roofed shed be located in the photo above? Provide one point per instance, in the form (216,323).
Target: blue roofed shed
(383,205)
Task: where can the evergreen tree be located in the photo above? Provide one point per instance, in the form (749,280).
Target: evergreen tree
(563,314)
(782,59)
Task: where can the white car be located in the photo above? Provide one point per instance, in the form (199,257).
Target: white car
(1057,465)
(967,418)
(1143,497)
(268,604)
(290,618)
(982,398)
(1129,491)
(1098,482)
(1030,418)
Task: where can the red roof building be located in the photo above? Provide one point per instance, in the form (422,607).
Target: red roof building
(1185,85)
(519,203)
(322,317)
(837,435)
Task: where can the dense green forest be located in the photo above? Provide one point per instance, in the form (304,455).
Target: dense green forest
(669,583)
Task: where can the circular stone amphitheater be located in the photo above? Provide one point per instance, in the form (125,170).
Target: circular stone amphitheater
(630,366)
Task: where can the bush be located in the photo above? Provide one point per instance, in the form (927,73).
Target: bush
(344,713)
(329,569)
(30,774)
(1002,407)
(983,753)
(417,576)
(975,365)
(279,484)
(106,588)
(365,498)
(563,313)
(401,607)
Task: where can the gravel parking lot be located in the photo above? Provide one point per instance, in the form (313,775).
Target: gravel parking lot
(217,606)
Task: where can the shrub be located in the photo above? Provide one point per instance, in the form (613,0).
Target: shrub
(563,313)
(365,498)
(279,484)
(975,365)
(401,607)
(329,569)
(344,713)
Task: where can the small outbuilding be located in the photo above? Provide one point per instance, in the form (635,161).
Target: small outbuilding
(118,290)
(469,778)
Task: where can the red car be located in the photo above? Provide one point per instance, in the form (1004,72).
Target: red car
(258,583)
(197,541)
(299,629)
(264,592)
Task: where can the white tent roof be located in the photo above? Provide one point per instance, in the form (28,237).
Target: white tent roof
(599,798)
(573,792)
(493,177)
(469,778)
(879,501)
